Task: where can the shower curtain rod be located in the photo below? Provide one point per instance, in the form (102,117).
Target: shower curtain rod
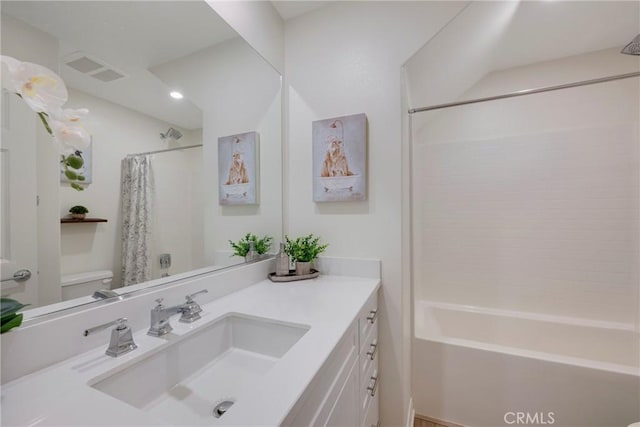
(164,151)
(527,92)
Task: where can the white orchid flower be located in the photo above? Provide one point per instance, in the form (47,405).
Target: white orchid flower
(70,135)
(11,62)
(45,93)
(9,67)
(42,89)
(68,115)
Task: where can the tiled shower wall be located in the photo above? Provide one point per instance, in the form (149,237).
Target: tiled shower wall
(531,203)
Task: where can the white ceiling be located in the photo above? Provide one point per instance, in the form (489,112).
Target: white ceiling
(292,9)
(545,30)
(131,37)
(491,36)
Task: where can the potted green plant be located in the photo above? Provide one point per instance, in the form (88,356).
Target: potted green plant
(243,246)
(78,212)
(10,318)
(304,250)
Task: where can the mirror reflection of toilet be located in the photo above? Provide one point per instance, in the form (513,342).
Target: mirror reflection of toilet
(82,284)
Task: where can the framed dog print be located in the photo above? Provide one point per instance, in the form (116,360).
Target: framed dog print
(237,169)
(339,159)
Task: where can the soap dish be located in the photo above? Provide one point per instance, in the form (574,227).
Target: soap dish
(293,277)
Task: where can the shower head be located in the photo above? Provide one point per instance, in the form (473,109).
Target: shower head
(632,48)
(172,134)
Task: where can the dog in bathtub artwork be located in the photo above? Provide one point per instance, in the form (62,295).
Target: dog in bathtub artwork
(237,169)
(339,159)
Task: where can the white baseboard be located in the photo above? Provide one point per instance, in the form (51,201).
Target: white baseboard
(411,413)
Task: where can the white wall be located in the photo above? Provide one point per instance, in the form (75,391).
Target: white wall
(238,91)
(116,132)
(178,220)
(259,24)
(531,203)
(343,59)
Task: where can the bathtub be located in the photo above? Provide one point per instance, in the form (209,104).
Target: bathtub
(486,367)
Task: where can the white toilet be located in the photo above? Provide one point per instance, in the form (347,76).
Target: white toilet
(85,284)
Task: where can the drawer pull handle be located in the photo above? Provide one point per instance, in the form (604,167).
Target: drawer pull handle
(373,314)
(374,349)
(373,388)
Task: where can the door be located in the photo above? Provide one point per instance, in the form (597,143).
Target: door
(18,209)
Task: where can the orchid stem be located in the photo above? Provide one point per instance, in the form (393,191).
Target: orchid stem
(43,117)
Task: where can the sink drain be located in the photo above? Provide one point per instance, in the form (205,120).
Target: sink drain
(221,408)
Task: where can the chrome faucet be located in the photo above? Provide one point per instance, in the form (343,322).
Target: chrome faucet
(106,294)
(121,338)
(160,314)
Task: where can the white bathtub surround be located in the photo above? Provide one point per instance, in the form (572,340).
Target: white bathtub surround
(526,239)
(542,189)
(587,373)
(327,305)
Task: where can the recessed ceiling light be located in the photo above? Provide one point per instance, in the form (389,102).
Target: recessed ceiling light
(176,95)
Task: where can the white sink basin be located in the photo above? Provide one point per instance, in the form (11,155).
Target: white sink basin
(184,381)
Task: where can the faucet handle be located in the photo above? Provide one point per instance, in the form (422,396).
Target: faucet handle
(189,298)
(121,337)
(192,309)
(121,324)
(159,301)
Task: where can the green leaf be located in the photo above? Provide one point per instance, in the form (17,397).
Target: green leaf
(76,186)
(13,323)
(7,317)
(241,248)
(8,305)
(81,178)
(78,209)
(304,249)
(70,174)
(75,162)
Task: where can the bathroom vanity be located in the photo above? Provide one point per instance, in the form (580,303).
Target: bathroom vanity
(301,353)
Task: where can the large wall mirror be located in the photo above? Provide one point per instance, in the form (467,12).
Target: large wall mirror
(121,60)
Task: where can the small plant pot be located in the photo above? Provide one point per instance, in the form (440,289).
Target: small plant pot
(303,268)
(78,216)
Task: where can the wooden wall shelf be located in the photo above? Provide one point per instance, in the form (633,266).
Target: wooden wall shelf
(75,221)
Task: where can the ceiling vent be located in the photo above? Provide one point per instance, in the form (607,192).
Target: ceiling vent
(92,67)
(107,75)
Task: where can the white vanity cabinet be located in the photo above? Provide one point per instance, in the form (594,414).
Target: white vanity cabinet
(345,390)
(325,375)
(368,374)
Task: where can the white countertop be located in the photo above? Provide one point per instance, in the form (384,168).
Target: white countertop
(59,394)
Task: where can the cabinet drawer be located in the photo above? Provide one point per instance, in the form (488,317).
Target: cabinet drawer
(369,351)
(371,417)
(315,406)
(368,318)
(369,390)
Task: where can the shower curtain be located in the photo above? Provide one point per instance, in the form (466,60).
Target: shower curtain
(137,191)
